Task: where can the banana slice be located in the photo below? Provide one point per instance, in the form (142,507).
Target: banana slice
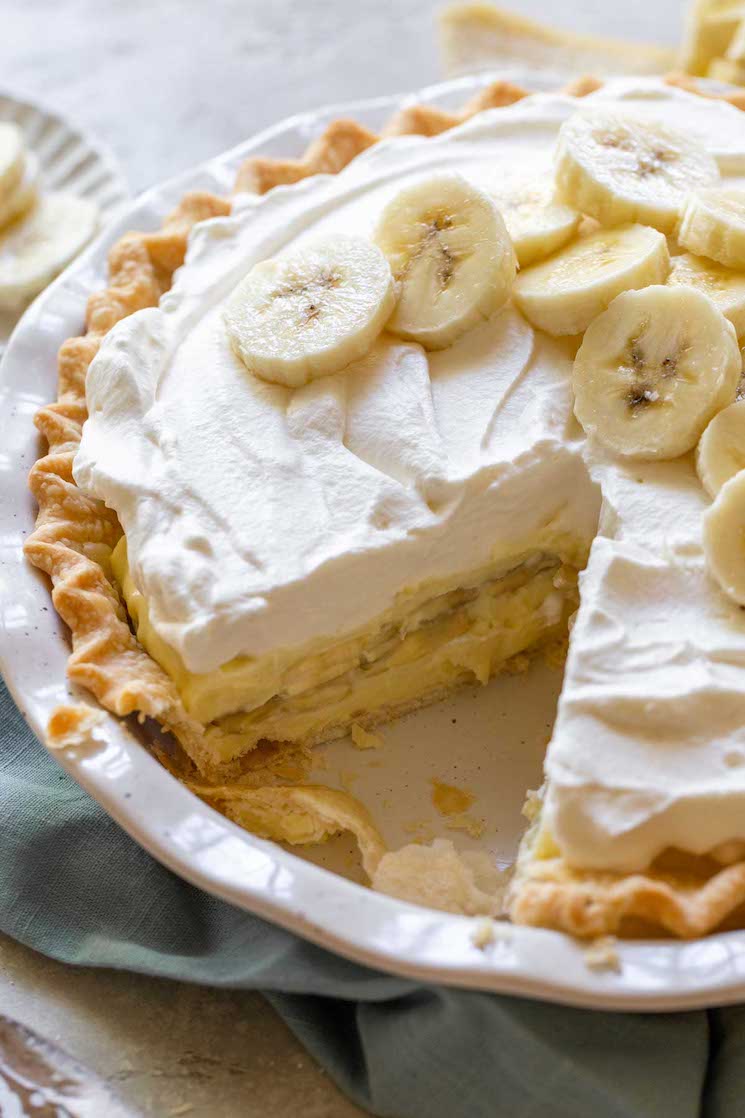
(12,159)
(564,294)
(713,225)
(23,197)
(537,224)
(736,50)
(652,371)
(725,70)
(721,449)
(708,31)
(312,311)
(724,287)
(449,249)
(724,538)
(36,248)
(617,168)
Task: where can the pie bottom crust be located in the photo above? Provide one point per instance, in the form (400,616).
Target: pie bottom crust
(75,536)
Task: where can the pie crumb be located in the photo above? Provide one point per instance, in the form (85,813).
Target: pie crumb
(473,826)
(347,778)
(482,935)
(363,739)
(602,954)
(71,727)
(448,799)
(531,809)
(439,876)
(487,931)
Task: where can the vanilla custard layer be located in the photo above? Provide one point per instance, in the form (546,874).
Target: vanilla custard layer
(426,644)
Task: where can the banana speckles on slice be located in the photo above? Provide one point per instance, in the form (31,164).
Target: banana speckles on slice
(562,295)
(312,311)
(617,169)
(653,370)
(451,255)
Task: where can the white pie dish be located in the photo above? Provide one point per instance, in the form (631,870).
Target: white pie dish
(201,845)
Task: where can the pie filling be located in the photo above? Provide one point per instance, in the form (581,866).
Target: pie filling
(424,646)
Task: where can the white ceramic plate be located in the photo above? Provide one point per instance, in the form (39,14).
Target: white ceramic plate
(68,161)
(490,741)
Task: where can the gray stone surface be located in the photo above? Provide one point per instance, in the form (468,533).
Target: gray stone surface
(168,83)
(167,1048)
(171,82)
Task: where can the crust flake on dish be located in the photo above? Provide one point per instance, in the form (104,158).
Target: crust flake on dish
(75,535)
(299,815)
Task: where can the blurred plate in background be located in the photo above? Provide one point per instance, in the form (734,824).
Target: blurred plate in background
(69,161)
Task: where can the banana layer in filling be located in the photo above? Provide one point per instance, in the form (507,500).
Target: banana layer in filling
(430,641)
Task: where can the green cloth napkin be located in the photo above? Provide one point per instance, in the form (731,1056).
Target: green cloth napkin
(74,886)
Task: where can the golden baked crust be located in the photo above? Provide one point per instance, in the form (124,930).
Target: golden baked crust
(342,140)
(75,535)
(688,900)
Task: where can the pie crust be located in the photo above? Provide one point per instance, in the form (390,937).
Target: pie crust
(75,535)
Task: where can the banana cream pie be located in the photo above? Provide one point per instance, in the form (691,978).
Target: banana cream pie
(356,451)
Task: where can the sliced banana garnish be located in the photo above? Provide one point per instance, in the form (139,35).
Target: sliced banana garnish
(537,224)
(708,30)
(721,449)
(725,70)
(564,294)
(735,52)
(449,250)
(732,67)
(724,287)
(35,249)
(19,200)
(724,538)
(713,225)
(12,158)
(311,311)
(652,371)
(617,168)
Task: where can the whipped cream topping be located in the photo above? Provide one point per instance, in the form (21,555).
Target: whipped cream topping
(259,518)
(648,748)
